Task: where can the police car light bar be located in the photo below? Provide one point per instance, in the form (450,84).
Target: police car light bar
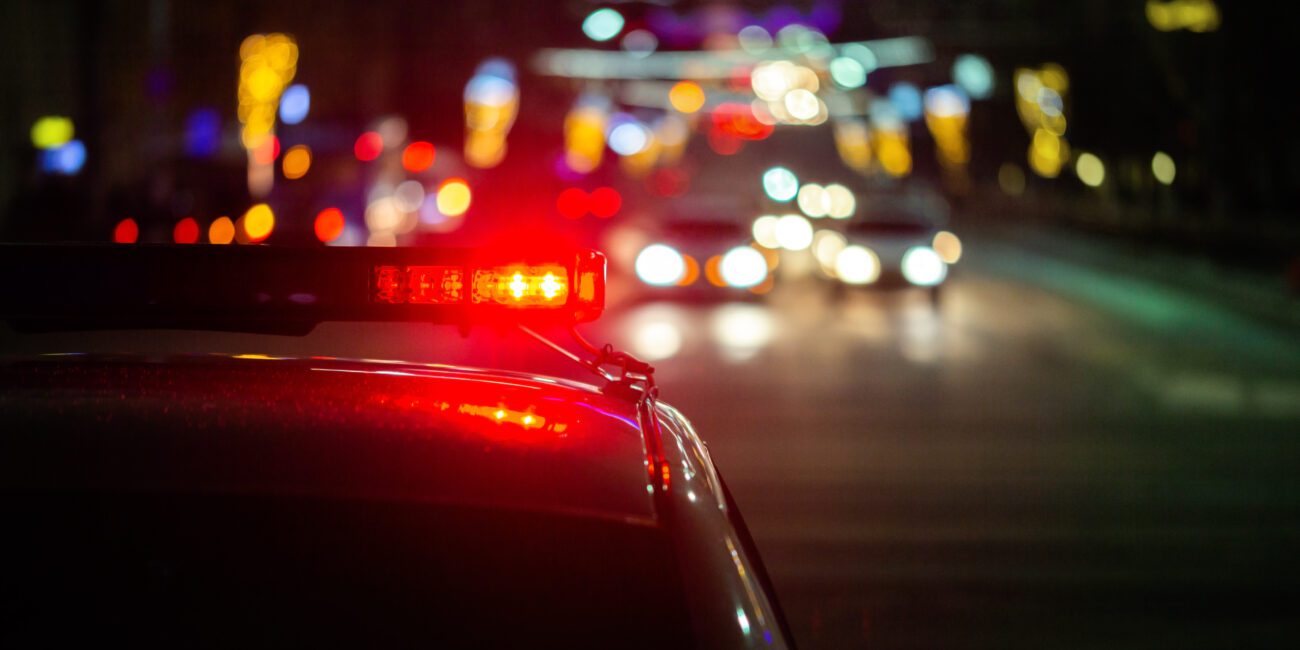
(290,290)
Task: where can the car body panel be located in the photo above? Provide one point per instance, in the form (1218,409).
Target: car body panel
(388,434)
(295,426)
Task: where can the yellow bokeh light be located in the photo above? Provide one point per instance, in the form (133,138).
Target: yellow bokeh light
(453,198)
(297,160)
(222,231)
(258,222)
(893,152)
(686,96)
(1090,170)
(1048,152)
(1162,165)
(51,131)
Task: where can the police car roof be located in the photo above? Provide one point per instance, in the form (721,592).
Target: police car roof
(325,427)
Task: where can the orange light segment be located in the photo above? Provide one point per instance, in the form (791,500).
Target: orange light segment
(522,286)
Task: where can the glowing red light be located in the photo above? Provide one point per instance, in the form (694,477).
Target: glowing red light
(126,232)
(738,120)
(418,156)
(368,147)
(670,182)
(329,224)
(724,143)
(186,231)
(605,202)
(572,203)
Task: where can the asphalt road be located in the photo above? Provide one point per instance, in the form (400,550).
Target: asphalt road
(1056,457)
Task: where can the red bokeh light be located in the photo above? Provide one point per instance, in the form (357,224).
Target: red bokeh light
(572,203)
(738,120)
(186,231)
(724,143)
(126,232)
(670,181)
(418,156)
(368,147)
(329,224)
(605,202)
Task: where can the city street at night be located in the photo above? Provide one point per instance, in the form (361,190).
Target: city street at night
(649,324)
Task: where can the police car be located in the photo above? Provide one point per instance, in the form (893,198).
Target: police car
(165,500)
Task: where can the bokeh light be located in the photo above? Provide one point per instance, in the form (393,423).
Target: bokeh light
(839,201)
(329,224)
(847,72)
(628,137)
(454,197)
(974,74)
(660,265)
(923,267)
(857,265)
(258,223)
(764,231)
(418,156)
(126,232)
(793,232)
(408,195)
(754,39)
(1163,167)
(686,96)
(780,184)
(743,267)
(639,43)
(605,202)
(813,200)
(51,131)
(221,231)
(948,246)
(297,160)
(906,98)
(1090,170)
(66,159)
(186,231)
(368,146)
(602,24)
(572,203)
(294,104)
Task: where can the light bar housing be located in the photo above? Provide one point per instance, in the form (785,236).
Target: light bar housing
(290,290)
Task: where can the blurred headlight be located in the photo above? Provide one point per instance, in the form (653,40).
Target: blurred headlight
(923,267)
(793,232)
(660,265)
(857,265)
(743,267)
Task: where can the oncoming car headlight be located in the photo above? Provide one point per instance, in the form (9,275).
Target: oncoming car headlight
(857,265)
(660,265)
(923,267)
(743,267)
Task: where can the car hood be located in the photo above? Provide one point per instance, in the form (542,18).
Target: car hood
(349,429)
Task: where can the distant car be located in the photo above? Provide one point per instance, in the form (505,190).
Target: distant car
(242,500)
(702,258)
(894,250)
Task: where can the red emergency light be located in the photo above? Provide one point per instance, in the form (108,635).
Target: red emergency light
(289,290)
